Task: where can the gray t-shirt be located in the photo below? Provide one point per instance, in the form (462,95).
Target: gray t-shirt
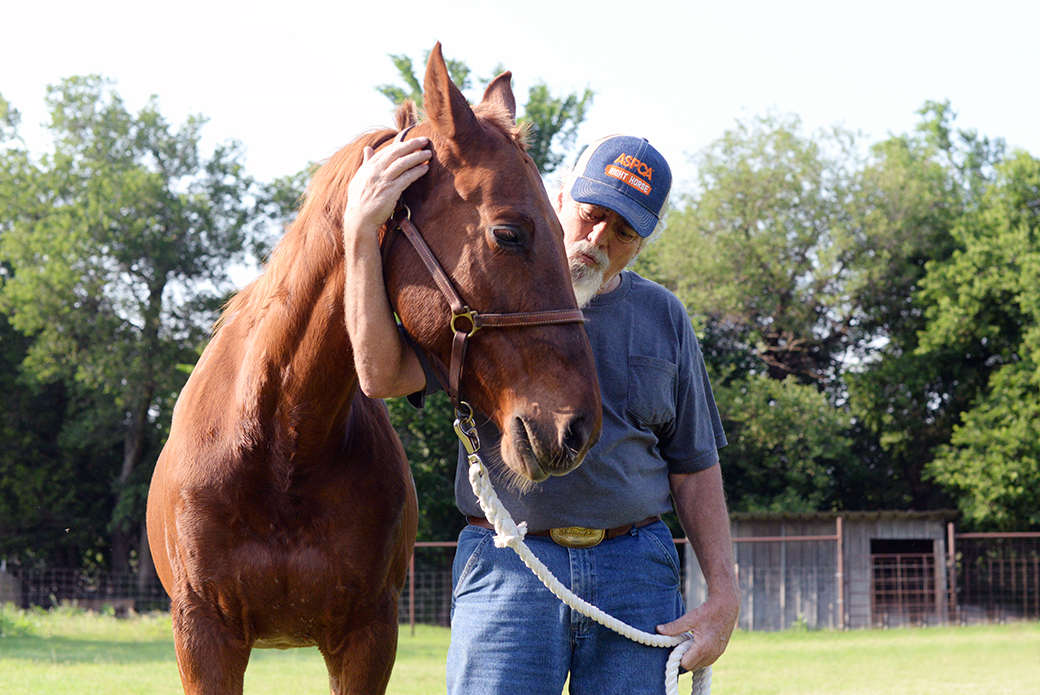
(659,417)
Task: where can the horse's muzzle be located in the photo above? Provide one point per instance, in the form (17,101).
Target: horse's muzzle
(548,446)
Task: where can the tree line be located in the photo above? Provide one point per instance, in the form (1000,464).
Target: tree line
(870,316)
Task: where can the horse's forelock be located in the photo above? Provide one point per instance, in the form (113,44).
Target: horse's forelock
(406,115)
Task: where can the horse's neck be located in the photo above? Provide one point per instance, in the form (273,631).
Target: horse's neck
(299,366)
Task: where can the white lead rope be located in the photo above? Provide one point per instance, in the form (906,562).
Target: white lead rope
(508,533)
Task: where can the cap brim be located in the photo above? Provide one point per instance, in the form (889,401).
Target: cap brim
(585,190)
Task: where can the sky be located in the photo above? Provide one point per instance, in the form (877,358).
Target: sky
(295,80)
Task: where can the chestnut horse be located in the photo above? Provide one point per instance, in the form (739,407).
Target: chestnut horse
(282,511)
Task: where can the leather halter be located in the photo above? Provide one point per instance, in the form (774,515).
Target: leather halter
(472,321)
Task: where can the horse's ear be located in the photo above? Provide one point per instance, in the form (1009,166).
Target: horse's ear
(500,93)
(446,108)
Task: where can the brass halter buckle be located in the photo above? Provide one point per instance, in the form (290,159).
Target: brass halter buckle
(577,536)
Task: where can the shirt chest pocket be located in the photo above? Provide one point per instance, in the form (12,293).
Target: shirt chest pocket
(651,389)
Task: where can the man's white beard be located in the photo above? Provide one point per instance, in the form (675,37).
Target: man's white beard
(587,279)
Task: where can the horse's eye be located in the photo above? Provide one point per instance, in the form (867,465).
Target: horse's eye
(506,237)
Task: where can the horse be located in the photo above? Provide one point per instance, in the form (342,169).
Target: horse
(282,511)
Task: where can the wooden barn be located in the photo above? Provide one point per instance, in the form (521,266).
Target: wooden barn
(837,570)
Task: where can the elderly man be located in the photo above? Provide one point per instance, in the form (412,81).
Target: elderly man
(598,528)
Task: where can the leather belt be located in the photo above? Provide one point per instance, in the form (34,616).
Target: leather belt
(575,536)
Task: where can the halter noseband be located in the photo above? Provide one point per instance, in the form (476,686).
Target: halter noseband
(472,321)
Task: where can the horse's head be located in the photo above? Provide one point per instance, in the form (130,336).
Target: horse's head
(483,210)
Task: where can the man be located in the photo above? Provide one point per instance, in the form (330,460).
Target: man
(658,448)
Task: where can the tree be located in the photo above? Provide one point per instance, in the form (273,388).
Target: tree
(413,90)
(763,256)
(786,440)
(772,248)
(553,124)
(118,244)
(984,303)
(40,491)
(432,448)
(55,490)
(798,257)
(916,190)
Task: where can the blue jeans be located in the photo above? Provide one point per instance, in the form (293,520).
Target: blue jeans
(510,634)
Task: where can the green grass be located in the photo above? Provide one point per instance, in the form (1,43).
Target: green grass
(70,651)
(991,659)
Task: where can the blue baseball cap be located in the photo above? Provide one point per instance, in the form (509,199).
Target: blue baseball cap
(627,175)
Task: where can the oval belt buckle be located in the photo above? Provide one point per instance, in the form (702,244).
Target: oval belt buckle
(577,537)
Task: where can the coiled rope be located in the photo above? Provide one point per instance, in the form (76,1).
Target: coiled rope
(510,534)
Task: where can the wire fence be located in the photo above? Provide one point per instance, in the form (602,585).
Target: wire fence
(997,578)
(118,592)
(985,578)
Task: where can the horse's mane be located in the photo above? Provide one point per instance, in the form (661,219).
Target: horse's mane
(315,237)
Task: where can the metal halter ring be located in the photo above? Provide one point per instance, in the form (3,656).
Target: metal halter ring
(470,316)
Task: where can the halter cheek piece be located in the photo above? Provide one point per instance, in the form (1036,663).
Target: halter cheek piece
(464,321)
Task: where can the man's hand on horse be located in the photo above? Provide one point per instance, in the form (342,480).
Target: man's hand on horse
(376,187)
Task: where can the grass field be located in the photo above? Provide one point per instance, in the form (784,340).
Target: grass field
(69,651)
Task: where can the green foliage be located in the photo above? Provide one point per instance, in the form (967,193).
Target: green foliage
(985,303)
(432,449)
(992,462)
(785,442)
(763,255)
(871,322)
(896,285)
(277,203)
(773,257)
(117,245)
(413,87)
(912,193)
(57,464)
(552,124)
(9,120)
(15,622)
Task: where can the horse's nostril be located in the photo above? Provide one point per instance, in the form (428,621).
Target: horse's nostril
(575,436)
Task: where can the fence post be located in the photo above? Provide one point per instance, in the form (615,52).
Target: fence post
(840,574)
(951,569)
(411,592)
(783,577)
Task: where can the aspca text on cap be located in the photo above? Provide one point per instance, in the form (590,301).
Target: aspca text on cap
(629,162)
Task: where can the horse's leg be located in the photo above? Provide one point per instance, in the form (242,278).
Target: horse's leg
(360,662)
(211,660)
